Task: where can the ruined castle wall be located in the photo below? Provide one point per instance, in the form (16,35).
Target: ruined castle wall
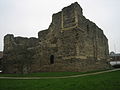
(16,54)
(71,43)
(72,38)
(83,37)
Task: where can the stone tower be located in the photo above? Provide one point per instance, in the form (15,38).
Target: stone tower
(71,43)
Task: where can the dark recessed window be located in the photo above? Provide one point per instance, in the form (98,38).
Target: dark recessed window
(52,59)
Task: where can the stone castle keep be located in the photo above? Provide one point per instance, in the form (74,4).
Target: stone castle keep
(71,43)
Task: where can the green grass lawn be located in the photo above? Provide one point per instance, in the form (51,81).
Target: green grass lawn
(47,74)
(105,81)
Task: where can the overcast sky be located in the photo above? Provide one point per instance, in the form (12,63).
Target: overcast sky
(27,17)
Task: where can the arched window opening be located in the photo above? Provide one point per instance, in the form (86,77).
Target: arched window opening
(52,59)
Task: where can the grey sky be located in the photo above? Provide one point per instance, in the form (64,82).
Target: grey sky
(27,17)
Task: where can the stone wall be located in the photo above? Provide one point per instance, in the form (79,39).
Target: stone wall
(17,54)
(71,43)
(1,57)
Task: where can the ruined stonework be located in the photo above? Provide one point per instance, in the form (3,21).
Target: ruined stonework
(1,57)
(71,43)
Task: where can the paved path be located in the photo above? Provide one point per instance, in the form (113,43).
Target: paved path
(61,76)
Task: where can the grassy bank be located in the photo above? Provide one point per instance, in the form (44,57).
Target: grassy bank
(47,74)
(105,81)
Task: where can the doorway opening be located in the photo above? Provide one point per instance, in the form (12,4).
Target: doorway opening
(52,59)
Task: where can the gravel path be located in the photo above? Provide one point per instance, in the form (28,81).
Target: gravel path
(61,76)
